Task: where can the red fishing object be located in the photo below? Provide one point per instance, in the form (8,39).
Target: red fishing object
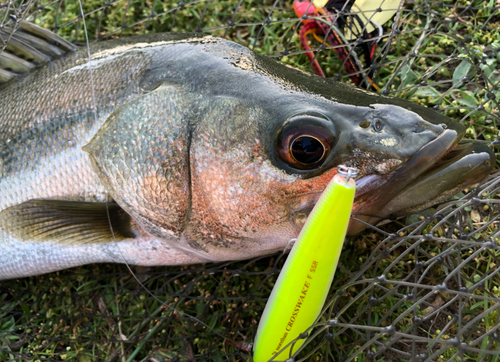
(326,34)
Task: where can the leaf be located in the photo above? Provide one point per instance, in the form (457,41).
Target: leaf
(477,278)
(427,91)
(474,215)
(8,324)
(26,308)
(459,204)
(200,307)
(494,77)
(465,98)
(461,70)
(411,219)
(407,75)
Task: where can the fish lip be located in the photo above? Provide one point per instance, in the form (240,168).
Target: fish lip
(414,167)
(369,203)
(366,184)
(465,164)
(433,151)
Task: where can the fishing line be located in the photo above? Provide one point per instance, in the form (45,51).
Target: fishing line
(163,303)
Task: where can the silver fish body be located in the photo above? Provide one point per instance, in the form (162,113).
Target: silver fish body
(171,149)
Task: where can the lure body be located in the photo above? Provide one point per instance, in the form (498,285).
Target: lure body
(302,286)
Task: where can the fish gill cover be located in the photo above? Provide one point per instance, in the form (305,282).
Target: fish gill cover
(422,287)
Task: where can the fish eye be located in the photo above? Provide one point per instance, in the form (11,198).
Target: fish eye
(307,149)
(378,125)
(304,142)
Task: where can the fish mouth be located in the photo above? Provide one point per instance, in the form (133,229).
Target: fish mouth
(440,169)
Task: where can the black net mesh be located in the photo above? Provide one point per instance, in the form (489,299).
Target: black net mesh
(421,287)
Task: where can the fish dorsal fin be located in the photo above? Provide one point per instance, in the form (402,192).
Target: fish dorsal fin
(66,222)
(27,47)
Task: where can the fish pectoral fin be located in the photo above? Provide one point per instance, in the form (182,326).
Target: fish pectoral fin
(66,222)
(29,46)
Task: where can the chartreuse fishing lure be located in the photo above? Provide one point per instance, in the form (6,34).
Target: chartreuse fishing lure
(302,286)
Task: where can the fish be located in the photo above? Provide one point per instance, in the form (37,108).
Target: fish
(185,148)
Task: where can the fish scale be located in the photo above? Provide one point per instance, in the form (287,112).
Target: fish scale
(56,103)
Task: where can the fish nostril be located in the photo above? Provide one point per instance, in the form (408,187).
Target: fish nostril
(433,128)
(418,128)
(365,124)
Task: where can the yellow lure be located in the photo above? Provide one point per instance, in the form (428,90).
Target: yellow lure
(302,286)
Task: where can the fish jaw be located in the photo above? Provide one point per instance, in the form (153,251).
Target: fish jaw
(371,203)
(466,164)
(436,172)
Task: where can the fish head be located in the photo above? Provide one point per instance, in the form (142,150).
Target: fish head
(226,158)
(257,170)
(410,157)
